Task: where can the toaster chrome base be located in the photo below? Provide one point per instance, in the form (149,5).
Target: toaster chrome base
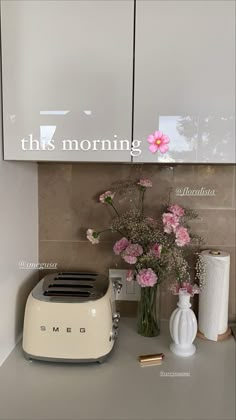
(101,359)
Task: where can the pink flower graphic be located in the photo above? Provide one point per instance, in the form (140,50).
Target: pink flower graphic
(146,277)
(146,183)
(158,141)
(120,245)
(177,210)
(182,236)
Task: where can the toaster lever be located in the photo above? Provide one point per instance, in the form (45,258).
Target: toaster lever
(116,320)
(116,317)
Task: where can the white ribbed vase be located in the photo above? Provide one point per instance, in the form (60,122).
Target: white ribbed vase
(183,327)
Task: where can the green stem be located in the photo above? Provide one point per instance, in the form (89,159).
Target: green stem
(112,205)
(121,233)
(102,231)
(147,320)
(126,231)
(142,200)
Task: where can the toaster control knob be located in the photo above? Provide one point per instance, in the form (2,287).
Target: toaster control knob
(116,317)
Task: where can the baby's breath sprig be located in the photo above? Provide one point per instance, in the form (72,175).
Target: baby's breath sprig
(200,268)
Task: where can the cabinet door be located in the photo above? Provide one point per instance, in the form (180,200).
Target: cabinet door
(184,79)
(67,75)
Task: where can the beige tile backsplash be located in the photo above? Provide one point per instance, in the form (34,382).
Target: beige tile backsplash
(68,205)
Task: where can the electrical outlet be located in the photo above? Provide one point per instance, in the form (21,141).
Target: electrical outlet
(130,289)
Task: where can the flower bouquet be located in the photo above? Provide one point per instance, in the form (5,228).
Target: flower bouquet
(153,247)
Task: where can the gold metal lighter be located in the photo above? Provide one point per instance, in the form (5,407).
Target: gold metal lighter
(151,359)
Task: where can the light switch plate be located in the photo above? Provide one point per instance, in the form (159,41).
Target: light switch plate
(130,289)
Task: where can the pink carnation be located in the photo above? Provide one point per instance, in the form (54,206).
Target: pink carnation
(185,287)
(182,236)
(146,277)
(177,210)
(170,221)
(129,275)
(120,246)
(158,141)
(106,197)
(93,236)
(131,253)
(156,250)
(145,183)
(130,259)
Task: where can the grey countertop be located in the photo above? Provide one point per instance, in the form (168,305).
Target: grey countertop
(120,389)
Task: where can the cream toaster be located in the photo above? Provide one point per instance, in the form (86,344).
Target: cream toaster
(70,317)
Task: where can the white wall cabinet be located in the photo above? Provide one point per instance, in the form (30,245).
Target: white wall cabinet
(67,75)
(185,79)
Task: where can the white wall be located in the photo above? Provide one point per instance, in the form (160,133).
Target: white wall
(18,242)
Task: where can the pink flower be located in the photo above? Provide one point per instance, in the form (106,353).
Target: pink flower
(120,245)
(174,288)
(158,141)
(185,288)
(177,210)
(146,183)
(129,275)
(189,288)
(129,259)
(156,250)
(107,197)
(146,277)
(131,253)
(92,236)
(170,221)
(182,236)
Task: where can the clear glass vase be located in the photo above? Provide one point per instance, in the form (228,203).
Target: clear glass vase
(149,311)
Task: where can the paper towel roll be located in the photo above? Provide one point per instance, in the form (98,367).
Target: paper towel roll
(214,297)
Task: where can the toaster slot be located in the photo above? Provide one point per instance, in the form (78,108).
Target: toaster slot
(78,274)
(67,293)
(71,285)
(74,278)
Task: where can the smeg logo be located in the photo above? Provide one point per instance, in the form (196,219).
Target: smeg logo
(56,329)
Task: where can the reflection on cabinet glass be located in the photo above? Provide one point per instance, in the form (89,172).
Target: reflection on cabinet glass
(67,75)
(184,79)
